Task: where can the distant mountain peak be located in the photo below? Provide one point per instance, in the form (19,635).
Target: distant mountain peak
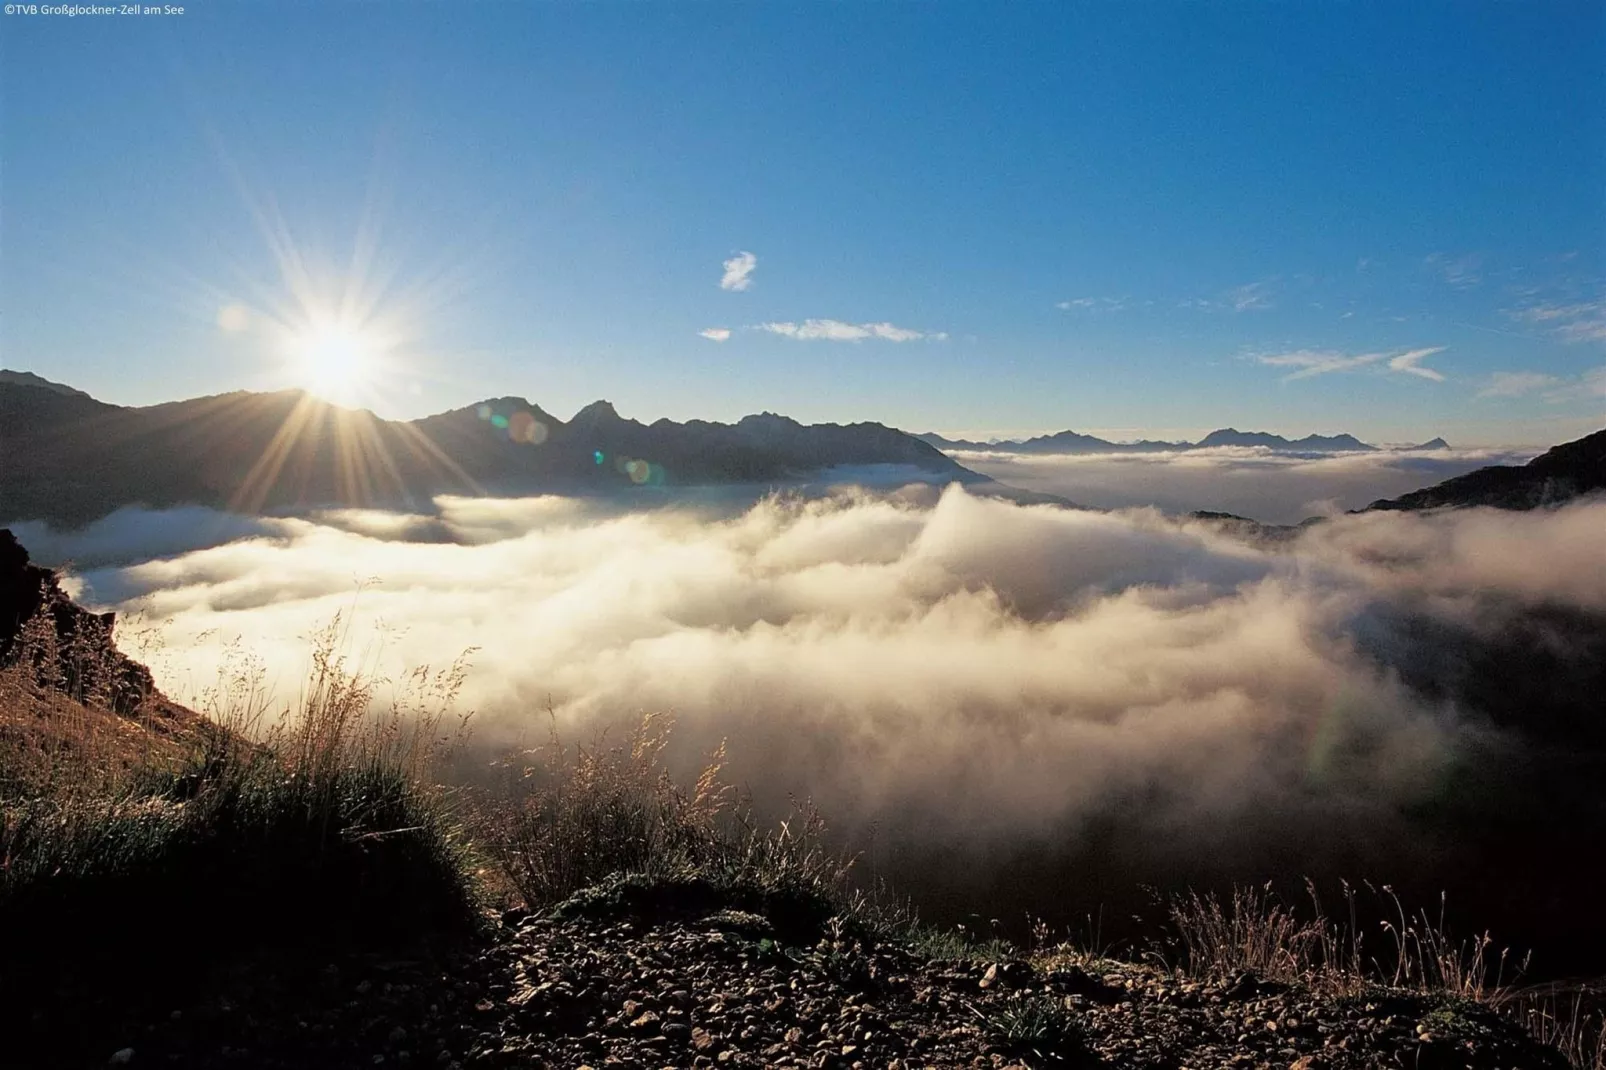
(767,419)
(597,412)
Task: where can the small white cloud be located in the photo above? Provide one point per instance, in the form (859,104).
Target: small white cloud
(716,334)
(738,272)
(1516,384)
(1410,363)
(812,330)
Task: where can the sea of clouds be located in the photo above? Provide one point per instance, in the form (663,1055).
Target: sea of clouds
(981,695)
(1273,487)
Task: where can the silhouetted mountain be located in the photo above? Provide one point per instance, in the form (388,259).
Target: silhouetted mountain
(1073,442)
(1430,444)
(1558,475)
(1231,436)
(82,458)
(30,379)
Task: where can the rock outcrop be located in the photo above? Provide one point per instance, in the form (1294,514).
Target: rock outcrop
(68,648)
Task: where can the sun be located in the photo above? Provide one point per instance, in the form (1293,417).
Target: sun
(339,362)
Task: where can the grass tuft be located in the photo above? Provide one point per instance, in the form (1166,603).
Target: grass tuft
(610,818)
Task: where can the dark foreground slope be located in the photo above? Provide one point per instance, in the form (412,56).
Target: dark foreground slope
(69,459)
(724,988)
(1560,474)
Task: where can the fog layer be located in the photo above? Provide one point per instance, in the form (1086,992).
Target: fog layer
(1274,488)
(964,685)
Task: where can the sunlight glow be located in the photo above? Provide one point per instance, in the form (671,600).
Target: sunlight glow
(336,361)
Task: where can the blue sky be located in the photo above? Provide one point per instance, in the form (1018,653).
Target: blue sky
(1149,218)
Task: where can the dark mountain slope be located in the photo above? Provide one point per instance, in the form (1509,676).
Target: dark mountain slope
(30,379)
(69,459)
(1567,471)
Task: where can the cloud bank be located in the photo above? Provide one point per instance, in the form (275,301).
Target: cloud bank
(982,695)
(1274,488)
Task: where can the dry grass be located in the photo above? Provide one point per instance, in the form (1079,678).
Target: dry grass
(1569,1017)
(575,816)
(318,825)
(1256,930)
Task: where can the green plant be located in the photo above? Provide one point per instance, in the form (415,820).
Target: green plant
(1038,1025)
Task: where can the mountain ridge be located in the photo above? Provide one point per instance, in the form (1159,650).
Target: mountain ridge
(1076,442)
(1560,474)
(288,449)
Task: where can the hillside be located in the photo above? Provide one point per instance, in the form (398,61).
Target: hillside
(1567,471)
(251,451)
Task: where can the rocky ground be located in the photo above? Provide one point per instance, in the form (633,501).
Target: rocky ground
(728,989)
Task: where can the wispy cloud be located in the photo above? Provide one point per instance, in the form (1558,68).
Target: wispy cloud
(1545,313)
(1410,363)
(1516,384)
(716,334)
(1587,330)
(1313,362)
(1572,321)
(1586,386)
(1308,363)
(826,330)
(1251,296)
(1092,304)
(738,272)
(1461,272)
